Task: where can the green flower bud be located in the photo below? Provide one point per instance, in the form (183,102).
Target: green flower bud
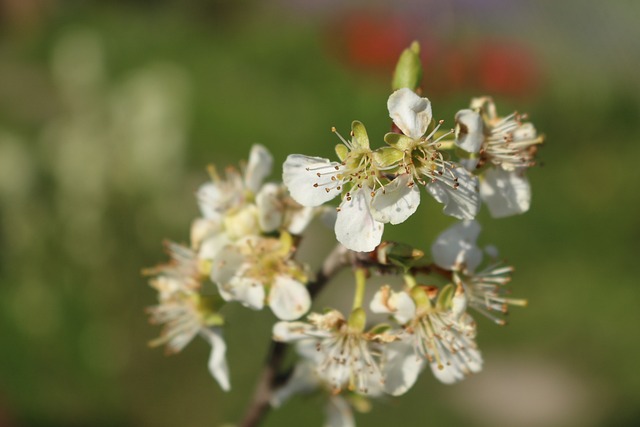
(408,71)
(399,254)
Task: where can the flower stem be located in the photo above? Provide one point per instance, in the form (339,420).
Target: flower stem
(273,373)
(410,280)
(361,281)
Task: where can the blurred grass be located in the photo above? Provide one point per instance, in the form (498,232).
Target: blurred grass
(74,329)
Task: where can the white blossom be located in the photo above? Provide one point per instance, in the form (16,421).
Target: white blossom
(423,163)
(456,249)
(508,146)
(433,334)
(313,181)
(259,270)
(346,356)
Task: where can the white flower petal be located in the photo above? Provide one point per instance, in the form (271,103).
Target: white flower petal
(456,366)
(397,201)
(300,175)
(288,298)
(469,130)
(401,367)
(356,228)
(226,264)
(399,304)
(269,207)
(243,222)
(411,113)
(212,246)
(505,193)
(299,219)
(456,246)
(459,303)
(470,164)
(291,331)
(462,202)
(338,413)
(258,168)
(211,200)
(249,292)
(446,374)
(203,228)
(217,360)
(302,381)
(214,198)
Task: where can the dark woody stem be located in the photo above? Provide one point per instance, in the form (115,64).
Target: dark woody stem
(272,374)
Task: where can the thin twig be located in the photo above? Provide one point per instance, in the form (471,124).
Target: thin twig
(271,373)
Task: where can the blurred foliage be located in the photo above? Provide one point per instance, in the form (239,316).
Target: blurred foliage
(110,112)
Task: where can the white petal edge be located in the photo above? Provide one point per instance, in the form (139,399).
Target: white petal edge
(288,298)
(269,207)
(401,367)
(398,304)
(356,228)
(397,201)
(456,246)
(505,193)
(338,413)
(300,175)
(302,381)
(226,265)
(258,168)
(249,292)
(217,359)
(291,331)
(469,130)
(298,219)
(462,202)
(411,113)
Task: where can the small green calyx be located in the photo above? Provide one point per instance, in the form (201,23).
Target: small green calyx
(360,138)
(399,142)
(408,71)
(210,303)
(357,320)
(214,319)
(445,297)
(387,156)
(342,151)
(286,244)
(420,297)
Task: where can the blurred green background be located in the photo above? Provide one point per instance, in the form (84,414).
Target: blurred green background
(110,112)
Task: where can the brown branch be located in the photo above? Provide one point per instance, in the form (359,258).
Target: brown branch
(271,375)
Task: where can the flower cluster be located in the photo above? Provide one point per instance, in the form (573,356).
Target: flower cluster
(247,238)
(244,243)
